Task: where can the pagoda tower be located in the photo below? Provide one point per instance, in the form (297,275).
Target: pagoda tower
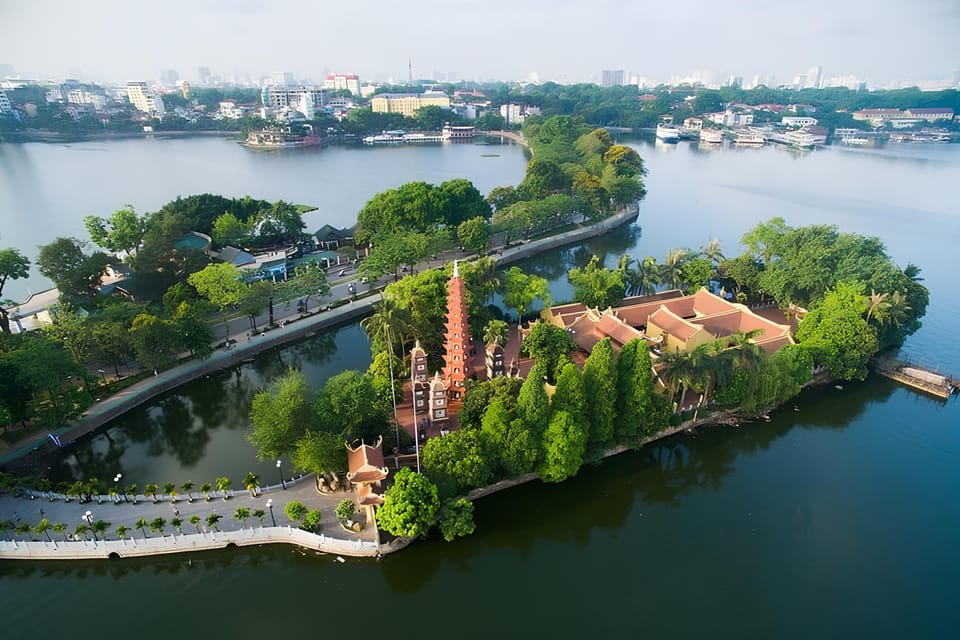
(456,336)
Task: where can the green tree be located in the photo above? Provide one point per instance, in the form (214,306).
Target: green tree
(456,519)
(170,489)
(154,341)
(600,388)
(597,287)
(43,528)
(496,332)
(152,490)
(221,284)
(213,521)
(837,333)
(480,395)
(346,509)
(122,232)
(280,415)
(475,235)
(74,273)
(142,524)
(241,515)
(634,391)
(191,330)
(177,523)
(311,520)
(409,506)
(515,446)
(122,531)
(533,405)
(295,510)
(569,395)
(350,405)
(521,289)
(696,273)
(252,483)
(548,344)
(564,445)
(229,230)
(459,457)
(100,527)
(259,514)
(671,271)
(320,452)
(13,266)
(195,521)
(223,484)
(187,488)
(72,331)
(205,489)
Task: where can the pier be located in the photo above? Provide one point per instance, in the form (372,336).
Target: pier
(917,377)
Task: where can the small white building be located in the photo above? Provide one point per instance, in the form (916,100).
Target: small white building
(798,121)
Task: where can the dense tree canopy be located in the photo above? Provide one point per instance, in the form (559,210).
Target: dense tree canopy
(410,505)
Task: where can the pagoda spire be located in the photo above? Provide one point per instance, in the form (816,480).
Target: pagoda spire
(457,359)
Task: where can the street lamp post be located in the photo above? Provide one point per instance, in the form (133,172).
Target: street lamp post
(88,517)
(282,483)
(393,394)
(270,507)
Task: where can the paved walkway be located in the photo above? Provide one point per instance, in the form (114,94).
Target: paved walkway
(24,510)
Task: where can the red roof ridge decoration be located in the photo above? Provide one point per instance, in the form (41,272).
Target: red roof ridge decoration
(365,463)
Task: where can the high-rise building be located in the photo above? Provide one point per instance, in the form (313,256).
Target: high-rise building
(343,82)
(204,74)
(277,98)
(612,77)
(5,106)
(169,77)
(144,99)
(281,79)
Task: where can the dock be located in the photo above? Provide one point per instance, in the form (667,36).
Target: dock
(917,377)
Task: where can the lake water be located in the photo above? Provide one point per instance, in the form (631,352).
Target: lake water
(837,518)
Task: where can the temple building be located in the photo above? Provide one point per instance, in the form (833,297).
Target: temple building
(457,358)
(365,470)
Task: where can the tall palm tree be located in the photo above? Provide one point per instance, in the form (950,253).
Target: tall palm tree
(241,515)
(388,318)
(496,332)
(712,251)
(252,483)
(195,521)
(742,342)
(259,514)
(671,271)
(187,488)
(170,489)
(158,525)
(44,527)
(122,531)
(152,490)
(673,367)
(223,484)
(100,526)
(213,521)
(80,531)
(177,523)
(142,524)
(899,311)
(132,490)
(648,276)
(912,271)
(61,528)
(205,489)
(878,306)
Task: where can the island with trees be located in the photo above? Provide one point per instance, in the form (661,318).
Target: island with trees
(569,407)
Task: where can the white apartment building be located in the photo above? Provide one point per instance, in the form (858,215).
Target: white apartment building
(516,113)
(343,81)
(144,99)
(278,98)
(80,96)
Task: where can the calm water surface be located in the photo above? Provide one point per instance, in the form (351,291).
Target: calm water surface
(837,518)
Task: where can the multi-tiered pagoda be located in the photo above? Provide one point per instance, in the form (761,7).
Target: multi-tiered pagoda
(457,337)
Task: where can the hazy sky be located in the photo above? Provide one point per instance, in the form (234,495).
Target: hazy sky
(566,40)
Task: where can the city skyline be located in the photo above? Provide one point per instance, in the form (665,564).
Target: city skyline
(118,41)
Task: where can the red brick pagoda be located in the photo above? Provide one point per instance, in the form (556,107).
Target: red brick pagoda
(457,336)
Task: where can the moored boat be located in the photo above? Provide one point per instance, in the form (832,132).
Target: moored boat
(668,132)
(750,138)
(711,136)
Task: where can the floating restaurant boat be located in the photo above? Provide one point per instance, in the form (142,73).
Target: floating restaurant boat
(668,132)
(711,136)
(750,138)
(281,138)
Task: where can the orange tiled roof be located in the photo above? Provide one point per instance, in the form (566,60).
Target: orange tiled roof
(673,324)
(365,463)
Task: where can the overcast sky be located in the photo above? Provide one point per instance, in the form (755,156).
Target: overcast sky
(564,40)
